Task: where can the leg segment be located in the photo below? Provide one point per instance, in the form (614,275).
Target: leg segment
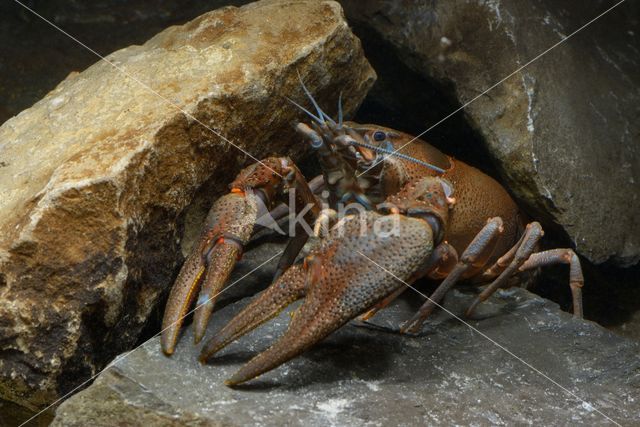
(499,266)
(524,248)
(561,256)
(291,251)
(306,201)
(474,257)
(316,185)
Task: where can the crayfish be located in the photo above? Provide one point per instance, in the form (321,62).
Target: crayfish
(423,214)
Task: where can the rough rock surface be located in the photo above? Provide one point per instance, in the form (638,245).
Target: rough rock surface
(94,178)
(564,132)
(369,376)
(35,48)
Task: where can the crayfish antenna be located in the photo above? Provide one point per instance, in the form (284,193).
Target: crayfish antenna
(324,116)
(309,113)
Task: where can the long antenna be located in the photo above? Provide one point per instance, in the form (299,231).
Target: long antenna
(397,154)
(321,113)
(313,116)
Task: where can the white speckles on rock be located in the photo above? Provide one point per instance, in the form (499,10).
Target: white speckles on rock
(361,376)
(57,102)
(333,407)
(373,385)
(528,83)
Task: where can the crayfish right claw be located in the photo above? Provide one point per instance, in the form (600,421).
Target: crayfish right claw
(342,278)
(227,229)
(286,289)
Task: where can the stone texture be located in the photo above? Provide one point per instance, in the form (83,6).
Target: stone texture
(95,178)
(449,375)
(564,132)
(35,48)
(12,414)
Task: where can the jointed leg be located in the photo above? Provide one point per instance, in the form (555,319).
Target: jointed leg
(316,185)
(524,248)
(291,251)
(476,254)
(324,222)
(502,263)
(306,202)
(561,256)
(297,242)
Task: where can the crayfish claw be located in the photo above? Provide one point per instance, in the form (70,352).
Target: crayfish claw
(180,299)
(228,227)
(268,304)
(221,260)
(347,275)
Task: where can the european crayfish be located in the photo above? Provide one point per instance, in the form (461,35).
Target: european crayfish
(423,214)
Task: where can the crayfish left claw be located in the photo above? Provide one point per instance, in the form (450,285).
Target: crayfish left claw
(221,260)
(180,299)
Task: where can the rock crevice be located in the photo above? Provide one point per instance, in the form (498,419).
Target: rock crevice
(563,131)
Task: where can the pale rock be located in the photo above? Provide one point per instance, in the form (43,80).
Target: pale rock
(95,177)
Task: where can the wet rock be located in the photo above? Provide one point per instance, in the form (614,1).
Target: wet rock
(375,376)
(563,132)
(95,177)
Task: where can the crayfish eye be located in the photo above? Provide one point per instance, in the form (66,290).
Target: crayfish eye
(379,136)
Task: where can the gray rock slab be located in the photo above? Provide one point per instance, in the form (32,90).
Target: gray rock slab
(527,363)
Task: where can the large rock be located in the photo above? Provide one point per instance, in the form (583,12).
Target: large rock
(564,132)
(449,375)
(105,25)
(95,178)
